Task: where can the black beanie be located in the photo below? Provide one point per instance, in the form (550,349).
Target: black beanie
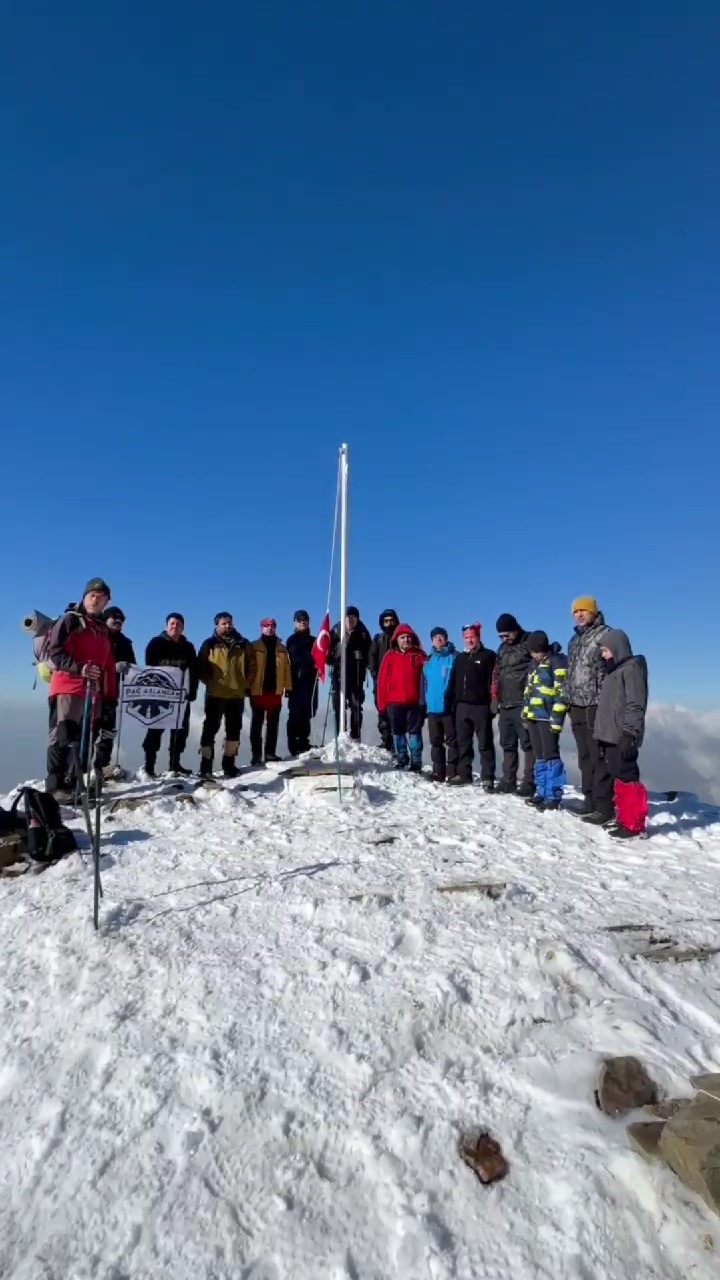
(113,612)
(538,642)
(301,615)
(438,631)
(96,584)
(506,622)
(352,612)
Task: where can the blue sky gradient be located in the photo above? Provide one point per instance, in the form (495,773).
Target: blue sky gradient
(479,243)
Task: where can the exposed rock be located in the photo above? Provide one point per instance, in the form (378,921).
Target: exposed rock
(645,1138)
(666,1108)
(623,1085)
(484,1156)
(10,850)
(488,888)
(681,955)
(185,798)
(690,1145)
(708,1084)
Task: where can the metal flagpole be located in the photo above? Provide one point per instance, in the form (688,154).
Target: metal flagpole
(343,582)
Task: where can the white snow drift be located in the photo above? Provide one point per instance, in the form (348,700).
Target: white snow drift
(259,1069)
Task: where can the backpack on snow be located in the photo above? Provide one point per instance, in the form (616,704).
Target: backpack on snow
(44,834)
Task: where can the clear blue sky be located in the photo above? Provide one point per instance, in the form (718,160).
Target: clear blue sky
(479,242)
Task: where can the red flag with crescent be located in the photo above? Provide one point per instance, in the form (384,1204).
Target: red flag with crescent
(322,646)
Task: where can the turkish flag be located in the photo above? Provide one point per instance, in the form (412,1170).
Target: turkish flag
(322,646)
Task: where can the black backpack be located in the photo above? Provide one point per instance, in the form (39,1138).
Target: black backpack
(45,837)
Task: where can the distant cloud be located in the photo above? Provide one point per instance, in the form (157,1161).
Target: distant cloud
(681,750)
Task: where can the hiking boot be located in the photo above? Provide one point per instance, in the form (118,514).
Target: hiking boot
(150,766)
(548,806)
(63,795)
(400,762)
(535,802)
(272,759)
(526,790)
(488,787)
(206,768)
(229,767)
(416,766)
(505,788)
(618,832)
(586,808)
(596,819)
(257,762)
(180,771)
(457,781)
(438,777)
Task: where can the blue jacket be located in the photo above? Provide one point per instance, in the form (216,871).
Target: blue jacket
(545,690)
(436,675)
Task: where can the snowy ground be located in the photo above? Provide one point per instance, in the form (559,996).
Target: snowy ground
(253,1073)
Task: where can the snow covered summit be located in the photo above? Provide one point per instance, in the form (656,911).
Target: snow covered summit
(261,1066)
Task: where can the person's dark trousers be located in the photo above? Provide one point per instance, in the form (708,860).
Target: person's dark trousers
(354,702)
(217,709)
(65,723)
(106,736)
(625,770)
(513,734)
(596,781)
(443,746)
(471,720)
(406,724)
(298,722)
(266,707)
(384,729)
(178,742)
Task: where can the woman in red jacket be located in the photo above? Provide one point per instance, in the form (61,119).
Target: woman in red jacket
(400,696)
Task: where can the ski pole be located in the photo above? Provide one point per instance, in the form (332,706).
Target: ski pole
(87,711)
(97,884)
(327,712)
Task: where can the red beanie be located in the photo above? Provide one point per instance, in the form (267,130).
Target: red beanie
(473,626)
(268,622)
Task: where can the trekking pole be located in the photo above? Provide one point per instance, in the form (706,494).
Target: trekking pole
(87,712)
(97,884)
(83,792)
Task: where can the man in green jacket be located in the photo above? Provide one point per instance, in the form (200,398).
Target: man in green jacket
(223,662)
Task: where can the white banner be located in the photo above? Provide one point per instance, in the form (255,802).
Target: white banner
(156,696)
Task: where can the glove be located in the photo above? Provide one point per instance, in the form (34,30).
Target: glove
(122,667)
(494,706)
(628,747)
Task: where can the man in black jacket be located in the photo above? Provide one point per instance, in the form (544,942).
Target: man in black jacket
(388,621)
(470,693)
(171,649)
(303,698)
(511,669)
(357,641)
(124,654)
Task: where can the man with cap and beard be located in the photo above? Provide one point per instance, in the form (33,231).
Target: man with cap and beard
(172,649)
(270,678)
(303,697)
(81,659)
(511,669)
(124,655)
(586,672)
(357,642)
(222,669)
(388,621)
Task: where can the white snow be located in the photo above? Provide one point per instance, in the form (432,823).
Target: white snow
(260,1067)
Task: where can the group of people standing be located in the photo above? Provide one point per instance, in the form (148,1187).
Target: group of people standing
(531,686)
(528,684)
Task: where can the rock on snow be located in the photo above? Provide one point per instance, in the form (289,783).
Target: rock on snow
(262,1066)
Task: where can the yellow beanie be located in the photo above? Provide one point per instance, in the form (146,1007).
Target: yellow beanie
(585,602)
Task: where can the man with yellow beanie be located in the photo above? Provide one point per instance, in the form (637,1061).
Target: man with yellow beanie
(585,674)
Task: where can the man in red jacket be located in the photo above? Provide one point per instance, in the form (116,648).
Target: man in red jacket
(400,696)
(80,657)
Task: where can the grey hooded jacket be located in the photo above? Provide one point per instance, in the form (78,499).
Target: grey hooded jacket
(624,694)
(586,669)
